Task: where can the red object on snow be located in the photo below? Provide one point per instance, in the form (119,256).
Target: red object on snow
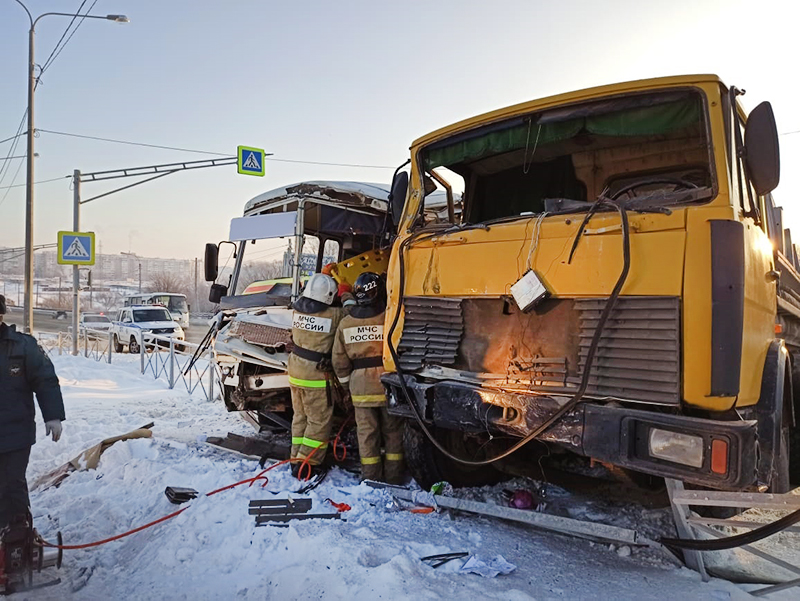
(340,507)
(521,499)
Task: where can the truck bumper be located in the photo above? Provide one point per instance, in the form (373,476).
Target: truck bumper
(723,454)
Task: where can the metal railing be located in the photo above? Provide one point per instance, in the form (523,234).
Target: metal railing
(162,357)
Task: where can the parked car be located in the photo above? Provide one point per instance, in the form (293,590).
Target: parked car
(93,323)
(133,324)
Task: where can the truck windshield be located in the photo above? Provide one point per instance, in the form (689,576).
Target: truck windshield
(142,315)
(650,147)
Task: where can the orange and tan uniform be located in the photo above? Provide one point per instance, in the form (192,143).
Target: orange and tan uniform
(358,366)
(309,372)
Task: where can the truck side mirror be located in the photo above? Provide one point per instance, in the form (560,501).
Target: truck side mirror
(397,196)
(210,262)
(761,152)
(216,293)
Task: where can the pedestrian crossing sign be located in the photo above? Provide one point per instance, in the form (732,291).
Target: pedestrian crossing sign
(76,248)
(250,161)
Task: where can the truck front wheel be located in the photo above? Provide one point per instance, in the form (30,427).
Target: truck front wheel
(133,346)
(428,465)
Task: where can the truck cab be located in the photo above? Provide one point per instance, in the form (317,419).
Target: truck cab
(617,284)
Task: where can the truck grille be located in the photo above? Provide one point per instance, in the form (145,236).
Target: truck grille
(261,334)
(431,331)
(638,357)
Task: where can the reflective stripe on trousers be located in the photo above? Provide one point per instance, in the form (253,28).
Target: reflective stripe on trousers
(309,442)
(307,383)
(368,398)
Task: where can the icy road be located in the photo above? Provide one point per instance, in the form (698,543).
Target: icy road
(214,551)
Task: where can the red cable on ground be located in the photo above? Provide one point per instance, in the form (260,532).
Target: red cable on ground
(164,518)
(337,442)
(260,476)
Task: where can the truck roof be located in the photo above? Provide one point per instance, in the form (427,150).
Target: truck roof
(568,97)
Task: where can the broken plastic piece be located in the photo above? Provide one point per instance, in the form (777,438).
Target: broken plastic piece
(178,495)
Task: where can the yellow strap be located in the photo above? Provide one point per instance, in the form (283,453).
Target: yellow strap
(394,456)
(370,460)
(368,398)
(297,440)
(307,383)
(314,444)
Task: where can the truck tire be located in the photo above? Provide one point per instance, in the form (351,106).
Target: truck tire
(133,346)
(118,346)
(429,466)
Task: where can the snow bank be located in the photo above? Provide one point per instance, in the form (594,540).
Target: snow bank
(214,550)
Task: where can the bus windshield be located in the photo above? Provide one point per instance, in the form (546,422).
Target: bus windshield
(173,302)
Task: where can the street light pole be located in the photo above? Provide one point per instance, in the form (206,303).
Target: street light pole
(28,313)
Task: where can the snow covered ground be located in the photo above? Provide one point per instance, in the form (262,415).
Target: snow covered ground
(214,551)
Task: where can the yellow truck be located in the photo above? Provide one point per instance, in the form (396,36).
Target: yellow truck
(615,282)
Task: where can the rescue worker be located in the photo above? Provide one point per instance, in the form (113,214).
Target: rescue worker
(357,361)
(25,369)
(314,323)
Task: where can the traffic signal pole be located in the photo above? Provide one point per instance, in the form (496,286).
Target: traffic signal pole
(76,276)
(155,172)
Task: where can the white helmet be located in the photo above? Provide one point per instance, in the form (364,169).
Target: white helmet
(321,287)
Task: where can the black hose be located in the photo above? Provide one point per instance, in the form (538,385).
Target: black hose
(607,309)
(731,542)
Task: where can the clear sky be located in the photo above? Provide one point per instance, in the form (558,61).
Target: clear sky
(345,81)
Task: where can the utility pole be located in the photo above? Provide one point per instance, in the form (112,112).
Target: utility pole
(27,319)
(195,283)
(140,276)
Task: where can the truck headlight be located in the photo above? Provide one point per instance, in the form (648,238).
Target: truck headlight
(676,447)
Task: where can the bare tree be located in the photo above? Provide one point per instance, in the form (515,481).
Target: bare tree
(254,272)
(167,282)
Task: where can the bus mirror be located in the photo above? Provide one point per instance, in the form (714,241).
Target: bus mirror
(216,293)
(761,152)
(210,263)
(397,196)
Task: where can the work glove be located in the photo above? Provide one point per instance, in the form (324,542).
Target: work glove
(53,427)
(344,288)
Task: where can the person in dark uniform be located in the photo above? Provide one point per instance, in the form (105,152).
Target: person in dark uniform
(25,369)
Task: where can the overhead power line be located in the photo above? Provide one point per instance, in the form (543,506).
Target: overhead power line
(57,50)
(6,164)
(63,133)
(41,181)
(14,137)
(50,58)
(16,173)
(128,142)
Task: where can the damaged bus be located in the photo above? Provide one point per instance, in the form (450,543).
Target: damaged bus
(286,235)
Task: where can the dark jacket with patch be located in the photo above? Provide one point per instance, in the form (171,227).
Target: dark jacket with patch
(24,370)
